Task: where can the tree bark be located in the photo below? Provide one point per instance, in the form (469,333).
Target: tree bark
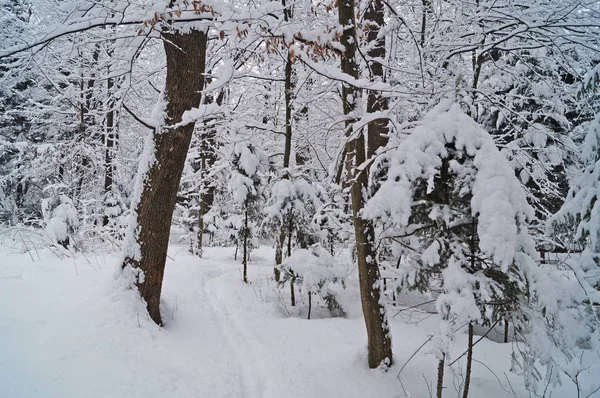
(309,303)
(378,129)
(469,362)
(245,244)
(379,341)
(426,10)
(287,151)
(440,378)
(186,54)
(110,143)
(279,254)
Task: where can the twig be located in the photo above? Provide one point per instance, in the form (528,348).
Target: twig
(428,386)
(413,306)
(413,354)
(474,344)
(510,385)
(496,376)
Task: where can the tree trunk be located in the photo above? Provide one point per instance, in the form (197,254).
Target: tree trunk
(440,378)
(292,293)
(426,10)
(209,157)
(279,254)
(506,331)
(245,259)
(309,303)
(185,55)
(290,231)
(111,139)
(87,119)
(378,334)
(469,362)
(378,129)
(287,152)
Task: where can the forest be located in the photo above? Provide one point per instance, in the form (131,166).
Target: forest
(315,198)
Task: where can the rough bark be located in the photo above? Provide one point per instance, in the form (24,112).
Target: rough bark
(469,362)
(379,341)
(440,378)
(378,129)
(185,55)
(426,10)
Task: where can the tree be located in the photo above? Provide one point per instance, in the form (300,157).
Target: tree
(578,220)
(379,341)
(461,222)
(290,208)
(245,185)
(314,269)
(161,167)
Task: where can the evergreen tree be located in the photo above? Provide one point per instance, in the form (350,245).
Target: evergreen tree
(246,185)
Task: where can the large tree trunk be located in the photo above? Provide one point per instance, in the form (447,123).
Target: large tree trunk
(378,334)
(186,54)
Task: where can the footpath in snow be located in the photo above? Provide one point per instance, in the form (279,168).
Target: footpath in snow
(68,330)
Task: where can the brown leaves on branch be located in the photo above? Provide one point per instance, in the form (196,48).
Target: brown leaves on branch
(198,6)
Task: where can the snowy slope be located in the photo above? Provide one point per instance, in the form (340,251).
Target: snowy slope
(68,330)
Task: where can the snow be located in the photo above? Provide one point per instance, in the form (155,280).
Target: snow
(68,328)
(60,217)
(498,199)
(315,268)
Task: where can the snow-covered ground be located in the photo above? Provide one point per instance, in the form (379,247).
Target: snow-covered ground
(67,329)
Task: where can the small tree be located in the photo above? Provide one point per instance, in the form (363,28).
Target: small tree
(333,224)
(290,209)
(245,186)
(314,269)
(461,219)
(60,218)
